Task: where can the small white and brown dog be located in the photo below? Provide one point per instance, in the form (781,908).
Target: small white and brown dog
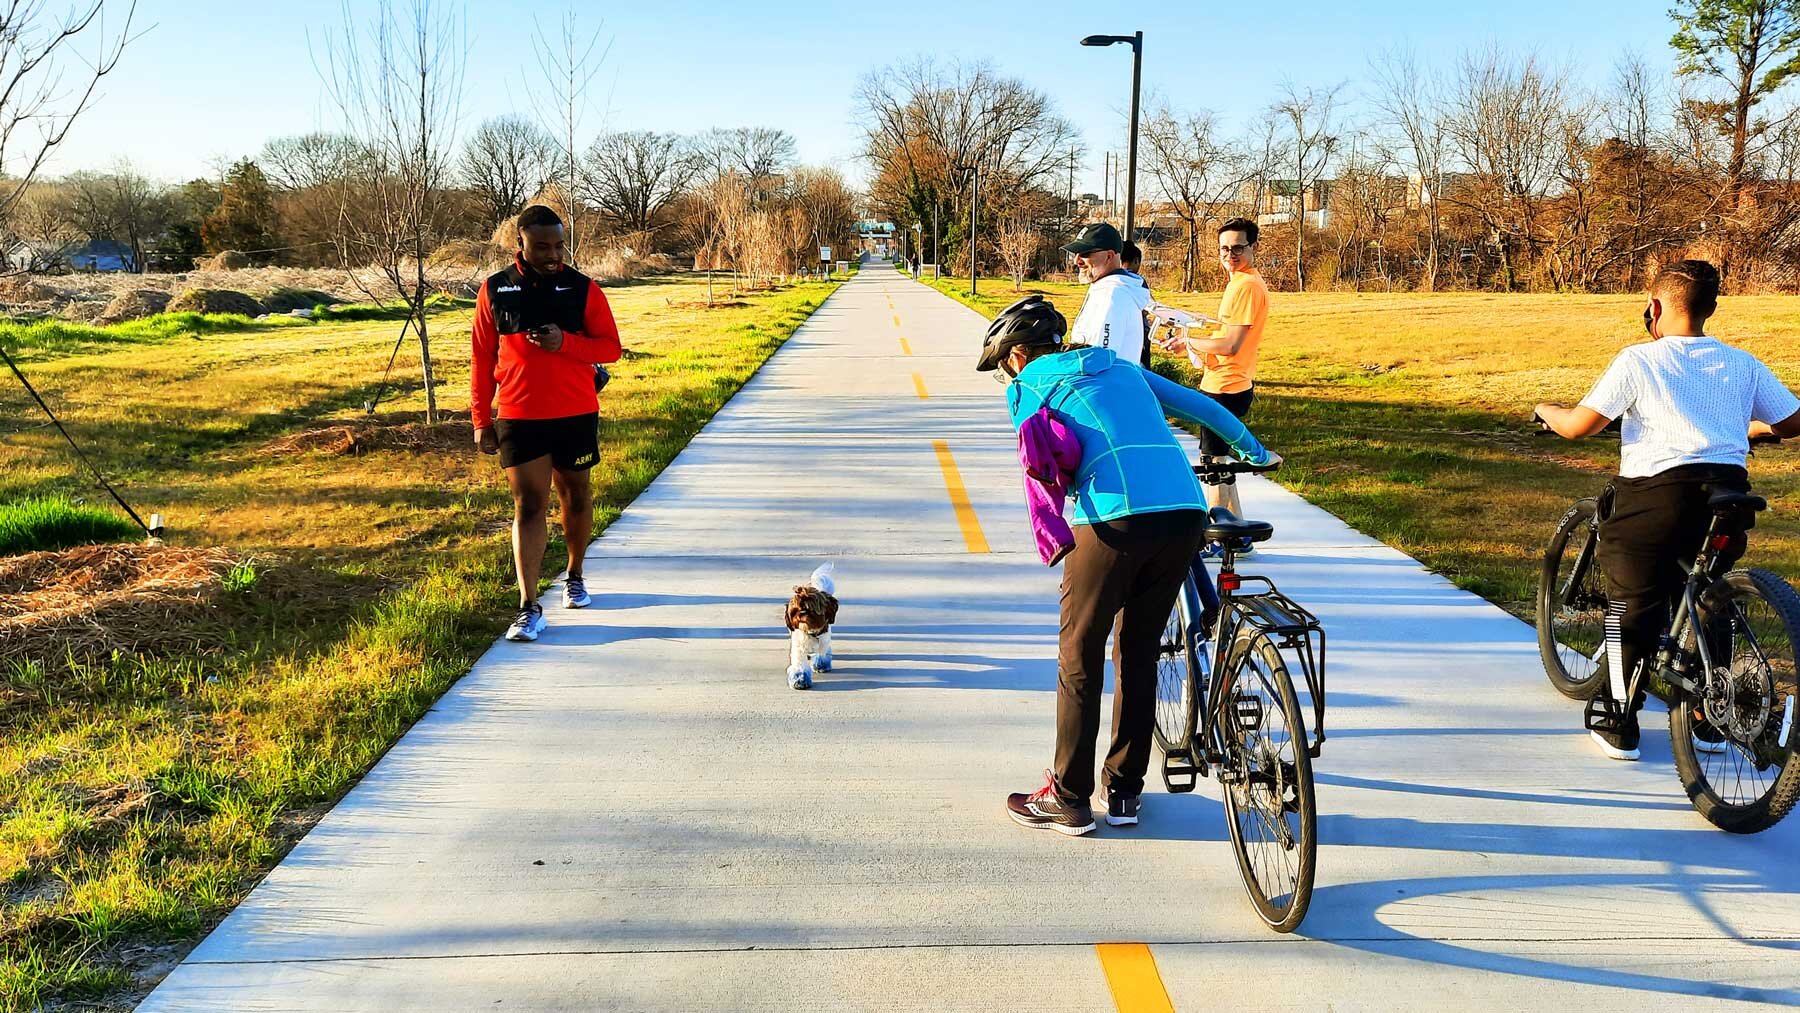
(810,614)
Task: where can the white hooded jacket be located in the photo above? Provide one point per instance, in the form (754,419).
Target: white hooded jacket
(1112,316)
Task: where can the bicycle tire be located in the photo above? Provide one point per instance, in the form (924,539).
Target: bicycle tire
(1180,673)
(1246,773)
(1773,660)
(1572,633)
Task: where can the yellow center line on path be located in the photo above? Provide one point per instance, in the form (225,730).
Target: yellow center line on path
(904,347)
(959,501)
(1137,985)
(896,320)
(919,385)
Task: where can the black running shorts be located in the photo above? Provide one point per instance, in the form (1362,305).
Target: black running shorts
(573,443)
(1237,404)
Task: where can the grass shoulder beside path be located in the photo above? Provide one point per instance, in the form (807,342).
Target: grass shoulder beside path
(1408,415)
(364,568)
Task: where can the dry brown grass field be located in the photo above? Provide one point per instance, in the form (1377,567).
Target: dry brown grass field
(1409,415)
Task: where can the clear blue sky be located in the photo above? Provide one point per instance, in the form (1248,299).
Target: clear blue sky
(218,77)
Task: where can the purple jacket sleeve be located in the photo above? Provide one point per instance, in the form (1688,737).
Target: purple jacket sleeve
(1049,455)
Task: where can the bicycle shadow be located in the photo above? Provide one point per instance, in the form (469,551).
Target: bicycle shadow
(1393,917)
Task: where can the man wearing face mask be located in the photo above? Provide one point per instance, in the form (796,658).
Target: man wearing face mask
(1688,405)
(1112,315)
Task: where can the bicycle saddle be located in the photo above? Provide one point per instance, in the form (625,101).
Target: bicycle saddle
(1225,526)
(1724,501)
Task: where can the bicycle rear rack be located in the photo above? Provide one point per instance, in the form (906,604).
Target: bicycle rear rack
(1298,635)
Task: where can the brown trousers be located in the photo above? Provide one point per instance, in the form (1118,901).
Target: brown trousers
(1124,572)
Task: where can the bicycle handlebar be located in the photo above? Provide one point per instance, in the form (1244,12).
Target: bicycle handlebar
(1223,469)
(1543,429)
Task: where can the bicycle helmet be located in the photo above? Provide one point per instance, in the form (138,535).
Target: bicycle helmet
(1030,323)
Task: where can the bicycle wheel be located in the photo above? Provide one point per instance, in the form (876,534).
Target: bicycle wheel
(1752,622)
(1267,779)
(1180,672)
(1571,607)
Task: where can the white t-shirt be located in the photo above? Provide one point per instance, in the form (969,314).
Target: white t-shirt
(1687,400)
(1112,316)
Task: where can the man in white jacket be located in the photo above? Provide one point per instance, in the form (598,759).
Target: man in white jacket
(1113,314)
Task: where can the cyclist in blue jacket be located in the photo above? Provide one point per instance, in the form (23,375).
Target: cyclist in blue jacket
(1138,512)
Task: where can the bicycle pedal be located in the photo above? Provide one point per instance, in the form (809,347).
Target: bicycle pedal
(1605,715)
(1179,776)
(1249,712)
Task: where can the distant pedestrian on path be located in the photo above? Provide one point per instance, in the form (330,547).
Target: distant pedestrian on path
(1228,361)
(1131,258)
(541,328)
(1137,514)
(1112,315)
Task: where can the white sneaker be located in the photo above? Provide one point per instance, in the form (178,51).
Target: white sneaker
(575,595)
(1613,751)
(528,624)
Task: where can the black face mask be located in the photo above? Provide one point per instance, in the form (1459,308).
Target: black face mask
(1647,322)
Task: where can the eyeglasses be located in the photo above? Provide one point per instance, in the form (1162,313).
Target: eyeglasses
(1236,250)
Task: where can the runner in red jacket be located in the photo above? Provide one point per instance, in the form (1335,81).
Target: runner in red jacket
(541,330)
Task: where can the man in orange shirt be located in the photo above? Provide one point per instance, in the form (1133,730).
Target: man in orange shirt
(541,329)
(1229,359)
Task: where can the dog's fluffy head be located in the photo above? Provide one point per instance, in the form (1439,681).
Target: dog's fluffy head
(812,610)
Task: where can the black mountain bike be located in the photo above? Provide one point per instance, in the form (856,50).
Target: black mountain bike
(1226,706)
(1726,666)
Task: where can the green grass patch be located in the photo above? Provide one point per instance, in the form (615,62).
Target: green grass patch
(352,312)
(44,523)
(65,336)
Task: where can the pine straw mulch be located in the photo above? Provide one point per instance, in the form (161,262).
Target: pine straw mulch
(354,437)
(94,600)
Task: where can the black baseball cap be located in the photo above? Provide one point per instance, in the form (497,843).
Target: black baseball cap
(1098,236)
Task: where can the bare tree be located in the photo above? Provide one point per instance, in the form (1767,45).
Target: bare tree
(632,176)
(1408,98)
(1019,244)
(306,161)
(926,128)
(121,206)
(1196,172)
(45,85)
(44,221)
(1506,124)
(1308,116)
(570,59)
(396,78)
(755,153)
(505,161)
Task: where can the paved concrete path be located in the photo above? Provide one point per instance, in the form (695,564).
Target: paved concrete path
(637,813)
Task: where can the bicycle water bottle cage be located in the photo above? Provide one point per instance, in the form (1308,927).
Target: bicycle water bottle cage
(1225,526)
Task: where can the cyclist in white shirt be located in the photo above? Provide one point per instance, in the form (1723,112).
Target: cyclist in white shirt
(1112,316)
(1688,405)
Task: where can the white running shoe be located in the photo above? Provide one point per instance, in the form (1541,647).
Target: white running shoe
(1615,750)
(575,595)
(528,625)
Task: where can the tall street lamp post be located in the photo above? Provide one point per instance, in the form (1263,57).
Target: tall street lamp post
(974,214)
(1136,41)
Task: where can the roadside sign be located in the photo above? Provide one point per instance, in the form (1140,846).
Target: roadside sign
(824,254)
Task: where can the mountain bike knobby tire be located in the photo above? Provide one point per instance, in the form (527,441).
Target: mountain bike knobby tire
(1777,786)
(1265,775)
(1552,625)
